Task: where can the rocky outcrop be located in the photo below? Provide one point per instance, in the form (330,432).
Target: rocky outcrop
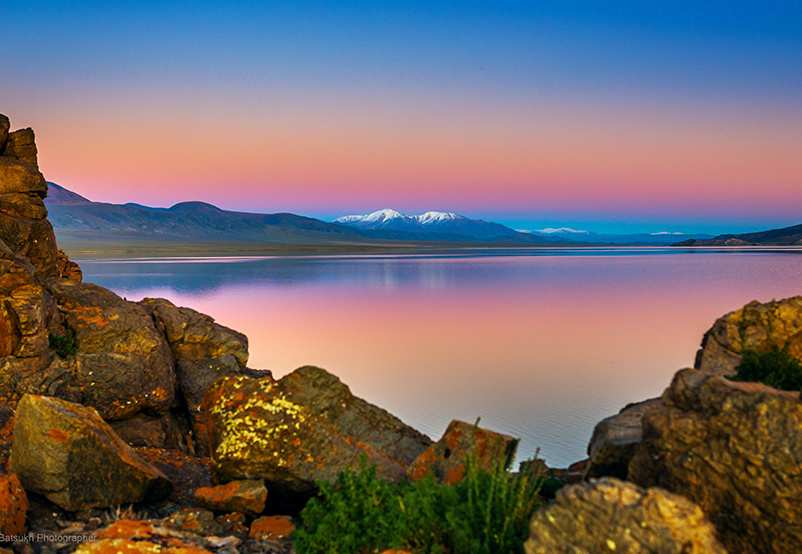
(67,269)
(615,438)
(23,217)
(13,506)
(123,364)
(305,427)
(246,497)
(736,450)
(447,458)
(203,351)
(756,326)
(67,453)
(609,515)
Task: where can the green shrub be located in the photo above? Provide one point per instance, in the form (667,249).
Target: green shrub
(64,345)
(488,512)
(774,367)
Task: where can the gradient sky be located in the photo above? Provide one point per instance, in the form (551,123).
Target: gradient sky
(605,116)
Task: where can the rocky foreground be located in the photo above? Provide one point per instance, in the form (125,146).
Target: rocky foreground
(138,427)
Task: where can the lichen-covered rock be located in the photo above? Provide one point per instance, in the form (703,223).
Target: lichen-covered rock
(247,497)
(608,515)
(150,431)
(271,528)
(736,450)
(19,177)
(615,438)
(756,326)
(13,506)
(304,427)
(203,351)
(447,457)
(123,364)
(67,269)
(32,238)
(21,146)
(67,453)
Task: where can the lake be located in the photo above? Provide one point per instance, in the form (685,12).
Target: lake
(539,343)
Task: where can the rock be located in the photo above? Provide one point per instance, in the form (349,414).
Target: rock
(123,364)
(203,351)
(271,528)
(23,205)
(247,497)
(150,431)
(19,177)
(5,125)
(33,239)
(608,515)
(615,438)
(186,472)
(131,546)
(67,453)
(305,427)
(447,457)
(192,520)
(67,269)
(21,146)
(234,522)
(756,326)
(13,506)
(736,450)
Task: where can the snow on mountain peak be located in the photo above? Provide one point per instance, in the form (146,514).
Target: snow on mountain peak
(432,217)
(382,215)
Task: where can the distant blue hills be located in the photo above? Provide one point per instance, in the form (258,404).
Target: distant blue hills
(71,212)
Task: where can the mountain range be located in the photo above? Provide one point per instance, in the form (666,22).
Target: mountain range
(80,221)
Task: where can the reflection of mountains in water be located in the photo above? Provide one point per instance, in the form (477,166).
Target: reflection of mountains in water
(545,268)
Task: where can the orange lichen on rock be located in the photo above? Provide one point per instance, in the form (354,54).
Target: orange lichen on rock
(272,528)
(13,505)
(125,546)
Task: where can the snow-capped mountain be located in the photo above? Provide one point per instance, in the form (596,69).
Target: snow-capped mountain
(430,222)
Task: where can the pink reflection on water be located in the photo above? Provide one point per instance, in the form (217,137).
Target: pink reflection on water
(542,357)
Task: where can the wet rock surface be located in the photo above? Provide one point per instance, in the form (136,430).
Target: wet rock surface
(67,453)
(736,450)
(609,515)
(304,427)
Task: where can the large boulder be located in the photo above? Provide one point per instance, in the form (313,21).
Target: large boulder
(615,438)
(733,448)
(608,515)
(66,452)
(21,146)
(123,364)
(756,326)
(305,427)
(447,457)
(203,351)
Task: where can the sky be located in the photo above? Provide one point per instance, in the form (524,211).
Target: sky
(602,116)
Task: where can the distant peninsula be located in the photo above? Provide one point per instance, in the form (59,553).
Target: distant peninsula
(787,236)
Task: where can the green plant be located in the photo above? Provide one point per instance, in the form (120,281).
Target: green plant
(775,367)
(488,512)
(64,345)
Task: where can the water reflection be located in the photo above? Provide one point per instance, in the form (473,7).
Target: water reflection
(540,344)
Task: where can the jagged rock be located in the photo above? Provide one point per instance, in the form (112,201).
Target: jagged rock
(608,515)
(19,177)
(23,205)
(123,364)
(736,450)
(186,471)
(756,326)
(615,438)
(247,497)
(13,506)
(150,431)
(67,453)
(304,427)
(21,146)
(5,125)
(33,239)
(447,457)
(67,269)
(203,351)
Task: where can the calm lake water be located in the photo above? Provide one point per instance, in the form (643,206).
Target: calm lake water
(540,344)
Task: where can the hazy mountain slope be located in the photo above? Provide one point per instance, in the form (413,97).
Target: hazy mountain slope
(786,236)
